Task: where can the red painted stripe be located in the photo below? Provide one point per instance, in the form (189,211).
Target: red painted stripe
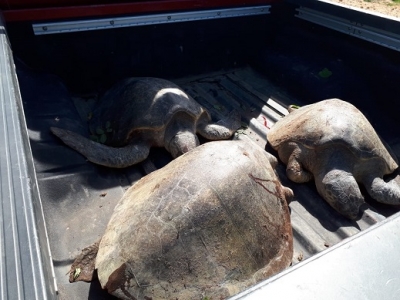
(18,4)
(141,7)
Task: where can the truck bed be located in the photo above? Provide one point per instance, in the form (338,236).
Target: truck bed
(78,197)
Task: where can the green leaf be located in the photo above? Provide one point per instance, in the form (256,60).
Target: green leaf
(325,73)
(103,138)
(108,124)
(77,272)
(240,131)
(99,131)
(109,130)
(94,138)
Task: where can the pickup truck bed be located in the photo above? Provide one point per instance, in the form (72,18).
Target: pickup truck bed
(258,69)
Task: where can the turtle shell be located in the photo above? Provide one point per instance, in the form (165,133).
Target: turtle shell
(211,223)
(135,105)
(330,123)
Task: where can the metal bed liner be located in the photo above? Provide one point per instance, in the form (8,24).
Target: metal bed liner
(79,196)
(367,25)
(25,266)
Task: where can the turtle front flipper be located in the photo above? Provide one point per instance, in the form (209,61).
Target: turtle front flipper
(221,130)
(101,154)
(340,189)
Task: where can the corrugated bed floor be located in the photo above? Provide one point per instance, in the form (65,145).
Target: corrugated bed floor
(78,197)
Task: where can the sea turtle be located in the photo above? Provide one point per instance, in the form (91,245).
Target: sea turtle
(333,142)
(139,113)
(209,224)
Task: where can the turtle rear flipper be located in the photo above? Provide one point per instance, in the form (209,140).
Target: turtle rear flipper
(382,191)
(221,130)
(102,154)
(83,267)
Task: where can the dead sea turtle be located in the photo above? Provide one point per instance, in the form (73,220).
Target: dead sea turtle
(211,223)
(139,113)
(332,142)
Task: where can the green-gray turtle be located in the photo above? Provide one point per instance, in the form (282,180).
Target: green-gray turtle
(333,142)
(209,224)
(139,113)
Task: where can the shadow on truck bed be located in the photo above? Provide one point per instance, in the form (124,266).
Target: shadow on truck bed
(257,65)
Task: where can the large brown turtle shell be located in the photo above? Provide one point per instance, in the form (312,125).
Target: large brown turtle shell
(211,223)
(331,123)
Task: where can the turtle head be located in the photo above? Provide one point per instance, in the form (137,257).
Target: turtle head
(181,143)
